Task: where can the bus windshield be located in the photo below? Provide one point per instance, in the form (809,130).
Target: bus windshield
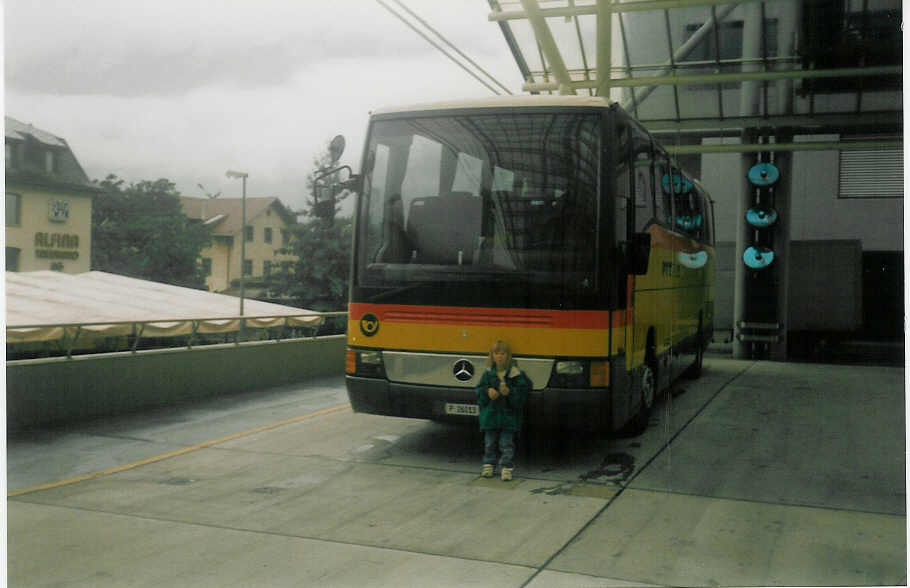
(493,197)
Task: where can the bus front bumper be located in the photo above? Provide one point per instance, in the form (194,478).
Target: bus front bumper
(551,408)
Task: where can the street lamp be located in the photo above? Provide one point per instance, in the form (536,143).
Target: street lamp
(242,176)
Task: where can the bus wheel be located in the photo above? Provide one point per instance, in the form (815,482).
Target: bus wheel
(647,389)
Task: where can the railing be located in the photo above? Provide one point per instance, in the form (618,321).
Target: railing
(66,335)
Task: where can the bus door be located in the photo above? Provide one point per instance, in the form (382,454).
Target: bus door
(641,213)
(622,333)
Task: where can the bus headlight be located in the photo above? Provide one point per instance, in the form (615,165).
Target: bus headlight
(580,374)
(370,357)
(569,374)
(570,368)
(364,362)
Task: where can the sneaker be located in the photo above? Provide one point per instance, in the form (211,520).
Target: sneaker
(506,474)
(487,471)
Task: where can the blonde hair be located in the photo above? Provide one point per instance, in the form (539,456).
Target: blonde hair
(498,346)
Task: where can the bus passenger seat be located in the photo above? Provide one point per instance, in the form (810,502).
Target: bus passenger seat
(444,229)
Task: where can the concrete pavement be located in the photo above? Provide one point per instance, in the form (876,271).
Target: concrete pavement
(756,474)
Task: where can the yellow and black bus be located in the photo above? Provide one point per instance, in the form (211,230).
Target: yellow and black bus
(556,223)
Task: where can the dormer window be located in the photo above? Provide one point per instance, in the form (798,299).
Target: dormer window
(49,161)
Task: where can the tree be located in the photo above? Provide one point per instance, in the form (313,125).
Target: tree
(319,279)
(140,231)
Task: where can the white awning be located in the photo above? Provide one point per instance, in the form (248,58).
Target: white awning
(45,305)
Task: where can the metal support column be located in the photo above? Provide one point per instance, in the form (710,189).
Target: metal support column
(742,350)
(748,106)
(548,46)
(784,162)
(604,48)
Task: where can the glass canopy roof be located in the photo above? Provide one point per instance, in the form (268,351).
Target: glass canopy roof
(713,68)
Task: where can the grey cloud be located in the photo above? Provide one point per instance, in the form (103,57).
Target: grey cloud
(147,70)
(165,47)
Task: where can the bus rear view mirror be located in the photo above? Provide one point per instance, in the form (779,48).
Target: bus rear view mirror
(327,184)
(638,253)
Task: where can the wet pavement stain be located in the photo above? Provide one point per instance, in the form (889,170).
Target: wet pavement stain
(616,468)
(560,489)
(600,491)
(177,481)
(267,490)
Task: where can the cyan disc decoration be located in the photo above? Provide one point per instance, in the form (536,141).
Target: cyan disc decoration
(760,217)
(758,257)
(763,174)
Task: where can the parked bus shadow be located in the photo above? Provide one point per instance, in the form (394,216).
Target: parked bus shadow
(559,453)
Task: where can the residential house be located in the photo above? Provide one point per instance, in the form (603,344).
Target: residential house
(268,224)
(48,203)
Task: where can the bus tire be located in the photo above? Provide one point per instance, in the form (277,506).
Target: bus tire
(647,389)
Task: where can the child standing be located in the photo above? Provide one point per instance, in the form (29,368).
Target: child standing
(501,394)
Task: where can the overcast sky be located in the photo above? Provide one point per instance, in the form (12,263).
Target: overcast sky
(187,89)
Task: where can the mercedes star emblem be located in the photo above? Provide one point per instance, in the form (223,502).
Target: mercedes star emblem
(463,370)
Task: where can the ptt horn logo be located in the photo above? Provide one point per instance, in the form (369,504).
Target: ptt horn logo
(369,324)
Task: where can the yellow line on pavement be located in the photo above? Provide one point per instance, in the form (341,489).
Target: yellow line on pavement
(163,456)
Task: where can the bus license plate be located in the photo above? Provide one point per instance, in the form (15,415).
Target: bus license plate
(462,409)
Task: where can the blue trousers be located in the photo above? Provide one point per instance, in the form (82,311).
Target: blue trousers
(499,446)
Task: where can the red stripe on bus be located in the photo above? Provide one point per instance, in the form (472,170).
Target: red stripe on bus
(504,317)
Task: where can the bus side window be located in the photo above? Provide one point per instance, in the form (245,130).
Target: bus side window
(663,201)
(689,209)
(644,189)
(675,184)
(702,206)
(623,180)
(687,218)
(642,175)
(709,221)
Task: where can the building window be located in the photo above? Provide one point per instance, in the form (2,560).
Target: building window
(13,209)
(12,259)
(285,237)
(266,267)
(248,232)
(206,266)
(267,236)
(49,162)
(247,267)
(838,34)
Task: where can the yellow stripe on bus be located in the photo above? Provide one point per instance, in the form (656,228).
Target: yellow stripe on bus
(545,341)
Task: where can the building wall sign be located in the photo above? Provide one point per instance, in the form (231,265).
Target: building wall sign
(56,246)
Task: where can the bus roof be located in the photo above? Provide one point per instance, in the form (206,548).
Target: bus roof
(523,101)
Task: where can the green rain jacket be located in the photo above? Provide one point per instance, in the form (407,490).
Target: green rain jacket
(504,413)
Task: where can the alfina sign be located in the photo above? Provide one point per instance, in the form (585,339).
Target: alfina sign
(56,246)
